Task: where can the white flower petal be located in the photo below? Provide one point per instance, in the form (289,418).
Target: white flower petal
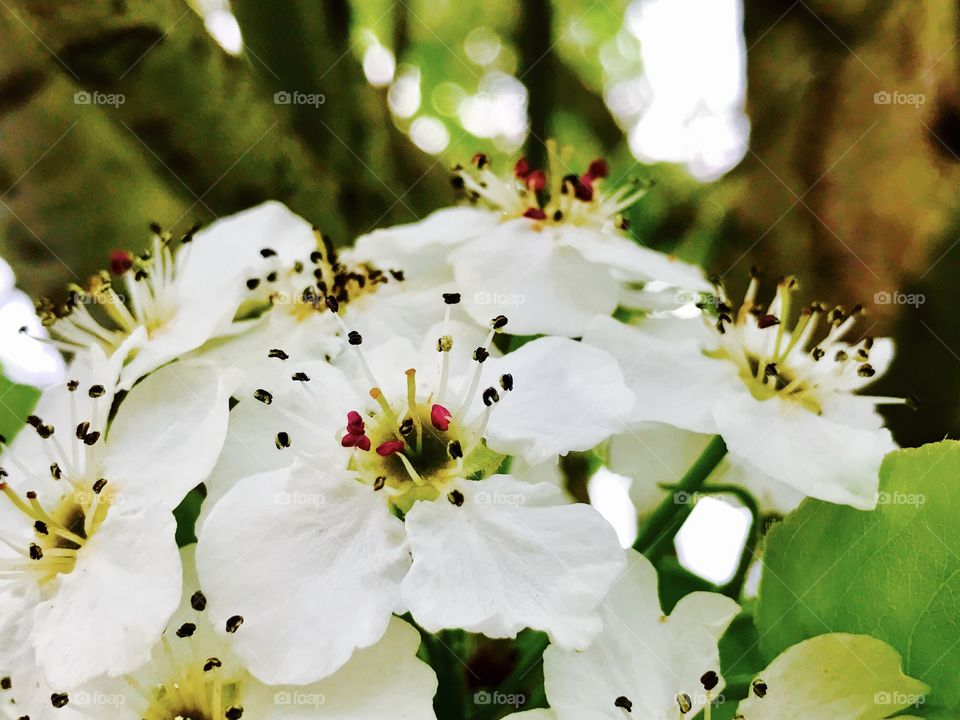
(321,405)
(812,453)
(192,326)
(541,286)
(385,680)
(514,555)
(311,560)
(420,249)
(664,365)
(249,351)
(854,677)
(105,616)
(632,261)
(567,396)
(169,430)
(222,254)
(641,655)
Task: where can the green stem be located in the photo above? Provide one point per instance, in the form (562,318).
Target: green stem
(666,520)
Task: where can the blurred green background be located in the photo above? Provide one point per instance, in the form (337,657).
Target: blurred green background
(806,137)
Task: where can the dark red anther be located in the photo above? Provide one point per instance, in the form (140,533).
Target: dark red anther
(536,180)
(535,214)
(355,424)
(440,417)
(480,160)
(768,321)
(361,442)
(120,262)
(598,169)
(390,447)
(584,188)
(521,169)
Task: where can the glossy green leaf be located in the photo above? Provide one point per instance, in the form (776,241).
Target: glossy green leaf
(893,573)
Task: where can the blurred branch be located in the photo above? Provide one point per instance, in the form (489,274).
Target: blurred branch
(537,71)
(305,47)
(192,109)
(73,184)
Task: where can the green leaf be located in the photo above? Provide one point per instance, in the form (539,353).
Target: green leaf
(893,573)
(16,402)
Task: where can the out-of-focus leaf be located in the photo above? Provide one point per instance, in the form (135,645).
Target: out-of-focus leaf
(16,402)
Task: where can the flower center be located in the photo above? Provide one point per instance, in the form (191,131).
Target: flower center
(59,533)
(554,197)
(312,284)
(418,447)
(60,528)
(199,691)
(99,314)
(776,362)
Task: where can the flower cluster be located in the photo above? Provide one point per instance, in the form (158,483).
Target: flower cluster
(374,432)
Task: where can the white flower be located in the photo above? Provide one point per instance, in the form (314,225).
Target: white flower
(192,673)
(644,664)
(550,264)
(855,677)
(88,558)
(177,296)
(783,401)
(315,555)
(302,299)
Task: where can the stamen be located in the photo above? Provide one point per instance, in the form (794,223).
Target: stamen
(390,447)
(412,407)
(414,475)
(440,417)
(377,395)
